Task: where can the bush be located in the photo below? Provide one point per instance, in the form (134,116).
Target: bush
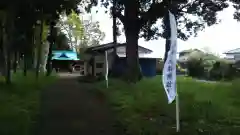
(216,72)
(223,70)
(180,70)
(195,67)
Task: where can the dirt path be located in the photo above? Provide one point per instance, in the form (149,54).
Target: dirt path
(70,109)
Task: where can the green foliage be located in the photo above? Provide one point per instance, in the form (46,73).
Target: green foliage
(216,72)
(73,26)
(150,11)
(19,103)
(236,5)
(195,67)
(81,33)
(93,34)
(143,109)
(223,70)
(74,20)
(61,42)
(45,32)
(208,65)
(139,18)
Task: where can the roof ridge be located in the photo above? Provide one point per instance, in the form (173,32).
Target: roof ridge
(231,50)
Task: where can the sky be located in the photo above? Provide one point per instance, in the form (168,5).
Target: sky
(218,38)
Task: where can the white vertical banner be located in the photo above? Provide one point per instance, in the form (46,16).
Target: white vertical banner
(169,70)
(106,68)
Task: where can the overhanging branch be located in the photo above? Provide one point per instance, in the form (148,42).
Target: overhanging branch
(155,11)
(119,15)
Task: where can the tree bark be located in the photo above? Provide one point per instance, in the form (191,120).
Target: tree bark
(2,53)
(8,77)
(15,63)
(9,32)
(52,40)
(39,45)
(25,66)
(114,27)
(114,34)
(132,30)
(133,69)
(45,53)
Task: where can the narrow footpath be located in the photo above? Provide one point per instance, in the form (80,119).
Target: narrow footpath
(68,108)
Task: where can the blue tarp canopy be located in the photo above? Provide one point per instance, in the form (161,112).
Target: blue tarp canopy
(64,55)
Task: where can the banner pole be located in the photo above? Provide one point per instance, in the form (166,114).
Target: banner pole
(106,68)
(177,113)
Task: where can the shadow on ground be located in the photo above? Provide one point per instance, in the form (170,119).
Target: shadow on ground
(69,108)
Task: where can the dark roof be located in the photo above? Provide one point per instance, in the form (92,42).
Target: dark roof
(102,48)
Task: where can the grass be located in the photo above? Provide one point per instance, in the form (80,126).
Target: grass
(205,108)
(19,103)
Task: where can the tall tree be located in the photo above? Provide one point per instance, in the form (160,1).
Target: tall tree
(81,32)
(61,41)
(29,11)
(72,25)
(93,35)
(140,16)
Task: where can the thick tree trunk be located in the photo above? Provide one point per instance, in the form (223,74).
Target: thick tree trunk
(35,59)
(52,40)
(132,29)
(15,63)
(8,75)
(25,67)
(45,53)
(39,45)
(49,60)
(2,53)
(114,27)
(133,70)
(9,31)
(32,50)
(114,34)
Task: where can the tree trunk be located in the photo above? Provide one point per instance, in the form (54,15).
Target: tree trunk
(133,69)
(39,45)
(2,53)
(35,59)
(132,29)
(15,63)
(114,27)
(52,40)
(45,53)
(25,64)
(9,31)
(8,77)
(114,34)
(32,44)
